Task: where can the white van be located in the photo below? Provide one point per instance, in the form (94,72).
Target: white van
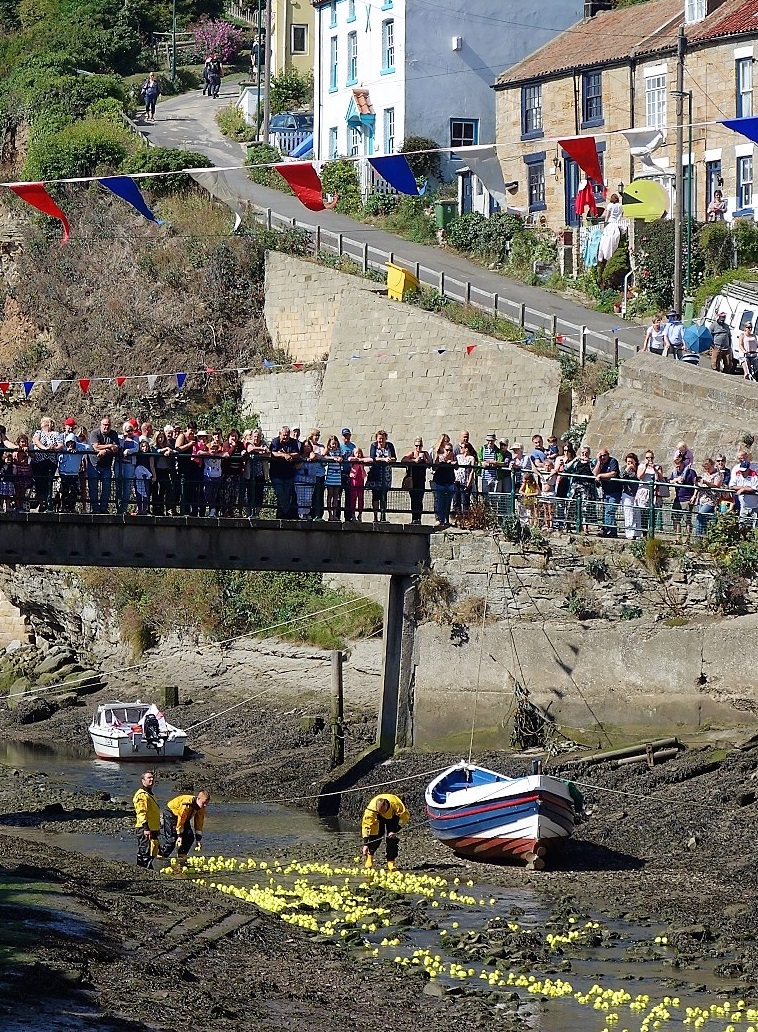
(740,302)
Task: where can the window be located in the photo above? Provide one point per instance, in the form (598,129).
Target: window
(299,39)
(535,181)
(464,132)
(352,58)
(389,130)
(744,69)
(745,182)
(713,180)
(694,10)
(351,10)
(386,5)
(333,142)
(655,101)
(333,63)
(353,141)
(592,99)
(531,111)
(388,46)
(333,14)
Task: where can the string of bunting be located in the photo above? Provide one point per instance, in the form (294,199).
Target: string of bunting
(177,381)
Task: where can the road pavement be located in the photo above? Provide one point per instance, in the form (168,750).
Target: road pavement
(188,121)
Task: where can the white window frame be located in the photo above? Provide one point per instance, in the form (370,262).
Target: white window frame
(468,127)
(354,140)
(744,77)
(352,58)
(333,142)
(388,45)
(333,59)
(694,11)
(389,130)
(299,28)
(745,181)
(655,100)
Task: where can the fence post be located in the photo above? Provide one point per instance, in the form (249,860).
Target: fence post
(442,283)
(651,517)
(468,292)
(615,351)
(318,239)
(579,513)
(495,303)
(339,244)
(268,219)
(554,326)
(294,222)
(392,258)
(522,315)
(365,257)
(583,346)
(338,734)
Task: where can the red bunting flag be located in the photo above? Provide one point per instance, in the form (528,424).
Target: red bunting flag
(470,348)
(305,185)
(84,384)
(583,150)
(297,365)
(120,381)
(4,386)
(36,195)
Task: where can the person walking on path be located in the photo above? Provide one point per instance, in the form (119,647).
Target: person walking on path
(148,821)
(151,90)
(385,814)
(182,823)
(215,73)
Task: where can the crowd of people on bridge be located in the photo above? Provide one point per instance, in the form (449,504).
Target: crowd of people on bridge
(189,471)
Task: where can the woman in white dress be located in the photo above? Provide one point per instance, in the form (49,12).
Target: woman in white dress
(612,232)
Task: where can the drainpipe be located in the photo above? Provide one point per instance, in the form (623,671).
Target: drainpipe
(632,103)
(576,105)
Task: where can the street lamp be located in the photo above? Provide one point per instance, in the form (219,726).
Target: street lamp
(680,159)
(258,76)
(173,40)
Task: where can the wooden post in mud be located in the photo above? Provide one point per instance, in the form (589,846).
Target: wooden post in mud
(338,732)
(395,726)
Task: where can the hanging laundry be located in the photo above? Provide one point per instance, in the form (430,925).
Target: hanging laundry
(585,198)
(591,247)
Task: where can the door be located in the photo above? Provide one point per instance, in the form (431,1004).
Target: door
(467,198)
(571,178)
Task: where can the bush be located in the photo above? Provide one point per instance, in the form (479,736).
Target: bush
(291,90)
(214,36)
(380,205)
(617,267)
(746,241)
(654,259)
(412,219)
(83,149)
(232,123)
(425,165)
(465,231)
(496,236)
(716,243)
(340,178)
(166,159)
(262,155)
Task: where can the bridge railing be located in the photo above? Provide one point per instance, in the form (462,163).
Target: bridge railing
(573,504)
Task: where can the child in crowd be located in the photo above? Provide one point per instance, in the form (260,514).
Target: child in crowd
(7,486)
(144,477)
(528,495)
(357,484)
(212,458)
(333,480)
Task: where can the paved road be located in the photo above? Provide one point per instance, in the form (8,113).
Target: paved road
(188,121)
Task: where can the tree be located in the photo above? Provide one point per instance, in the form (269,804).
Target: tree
(291,90)
(424,165)
(217,37)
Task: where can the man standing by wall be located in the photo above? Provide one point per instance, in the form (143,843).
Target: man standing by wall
(148,821)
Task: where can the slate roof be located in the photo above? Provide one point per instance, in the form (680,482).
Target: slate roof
(641,30)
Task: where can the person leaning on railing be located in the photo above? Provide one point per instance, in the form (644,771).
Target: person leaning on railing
(709,492)
(414,482)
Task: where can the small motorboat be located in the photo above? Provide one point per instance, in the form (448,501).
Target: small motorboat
(483,815)
(135,731)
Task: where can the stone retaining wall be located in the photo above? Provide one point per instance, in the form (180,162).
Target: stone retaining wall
(283,398)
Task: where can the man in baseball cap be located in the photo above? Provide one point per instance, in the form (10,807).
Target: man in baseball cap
(721,349)
(69,422)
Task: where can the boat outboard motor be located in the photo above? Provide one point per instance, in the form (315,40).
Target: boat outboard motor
(151,731)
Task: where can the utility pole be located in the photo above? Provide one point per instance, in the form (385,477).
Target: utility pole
(173,40)
(258,60)
(681,46)
(267,95)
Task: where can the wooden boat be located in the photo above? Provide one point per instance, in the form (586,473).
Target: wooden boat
(483,815)
(135,731)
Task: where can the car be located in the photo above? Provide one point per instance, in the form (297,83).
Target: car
(300,120)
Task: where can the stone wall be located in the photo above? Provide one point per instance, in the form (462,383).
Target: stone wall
(395,366)
(13,624)
(652,657)
(659,402)
(279,398)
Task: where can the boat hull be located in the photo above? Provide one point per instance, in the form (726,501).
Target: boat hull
(134,747)
(482,815)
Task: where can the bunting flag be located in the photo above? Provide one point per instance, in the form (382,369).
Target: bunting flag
(470,348)
(180,378)
(4,386)
(305,185)
(36,195)
(397,172)
(125,188)
(151,382)
(267,364)
(54,385)
(583,150)
(120,381)
(642,143)
(84,384)
(747,127)
(28,384)
(441,351)
(297,365)
(218,186)
(485,165)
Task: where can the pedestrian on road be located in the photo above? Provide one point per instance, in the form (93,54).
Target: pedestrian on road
(151,90)
(206,83)
(386,814)
(215,72)
(148,821)
(180,815)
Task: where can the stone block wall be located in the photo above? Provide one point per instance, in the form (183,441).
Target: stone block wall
(283,397)
(659,402)
(13,625)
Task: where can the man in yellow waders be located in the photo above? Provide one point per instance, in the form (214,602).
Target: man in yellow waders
(179,816)
(148,821)
(385,814)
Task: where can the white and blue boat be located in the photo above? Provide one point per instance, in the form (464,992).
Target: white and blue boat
(483,815)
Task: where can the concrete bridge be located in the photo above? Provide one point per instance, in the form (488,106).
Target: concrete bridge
(399,552)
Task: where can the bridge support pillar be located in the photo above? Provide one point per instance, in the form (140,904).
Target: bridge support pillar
(395,727)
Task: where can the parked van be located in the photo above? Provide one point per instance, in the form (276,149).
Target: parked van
(740,302)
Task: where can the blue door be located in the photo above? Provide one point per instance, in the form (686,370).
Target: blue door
(467,203)
(571,178)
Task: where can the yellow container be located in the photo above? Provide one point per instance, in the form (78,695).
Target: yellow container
(399,281)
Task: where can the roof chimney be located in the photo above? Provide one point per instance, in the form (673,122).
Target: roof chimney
(591,7)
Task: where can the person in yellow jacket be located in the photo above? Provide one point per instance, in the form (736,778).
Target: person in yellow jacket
(386,814)
(180,815)
(148,821)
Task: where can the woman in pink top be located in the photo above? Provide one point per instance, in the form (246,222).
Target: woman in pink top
(357,482)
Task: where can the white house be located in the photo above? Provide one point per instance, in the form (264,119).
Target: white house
(385,70)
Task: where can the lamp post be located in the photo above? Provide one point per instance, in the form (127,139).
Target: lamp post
(173,40)
(258,76)
(679,168)
(688,95)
